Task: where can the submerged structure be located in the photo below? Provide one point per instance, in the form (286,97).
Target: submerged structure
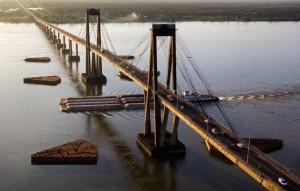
(46,80)
(75,152)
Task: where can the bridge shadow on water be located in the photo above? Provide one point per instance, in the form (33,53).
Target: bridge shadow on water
(216,155)
(147,172)
(75,77)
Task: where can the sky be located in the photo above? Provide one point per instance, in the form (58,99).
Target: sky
(172,1)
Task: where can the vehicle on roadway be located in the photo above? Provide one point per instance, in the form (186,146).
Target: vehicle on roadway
(282,181)
(170,97)
(240,145)
(215,131)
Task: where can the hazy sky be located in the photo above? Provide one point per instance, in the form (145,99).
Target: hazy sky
(172,1)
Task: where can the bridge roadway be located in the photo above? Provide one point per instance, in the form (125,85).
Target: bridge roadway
(260,166)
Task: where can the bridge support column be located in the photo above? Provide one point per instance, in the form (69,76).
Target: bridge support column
(160,143)
(47,31)
(93,66)
(207,145)
(55,40)
(59,45)
(64,50)
(72,58)
(50,36)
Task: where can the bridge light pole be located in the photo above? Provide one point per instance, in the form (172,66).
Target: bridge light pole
(177,95)
(207,122)
(248,148)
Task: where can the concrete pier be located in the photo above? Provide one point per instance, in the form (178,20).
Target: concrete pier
(64,49)
(55,40)
(93,79)
(73,58)
(59,46)
(167,150)
(93,72)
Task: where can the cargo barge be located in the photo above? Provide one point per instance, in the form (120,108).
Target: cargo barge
(101,103)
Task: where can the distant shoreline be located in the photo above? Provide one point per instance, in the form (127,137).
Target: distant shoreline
(154,12)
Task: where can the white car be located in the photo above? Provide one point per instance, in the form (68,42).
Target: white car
(215,131)
(240,145)
(282,181)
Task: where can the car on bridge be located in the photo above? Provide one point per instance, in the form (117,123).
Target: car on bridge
(170,97)
(282,181)
(240,145)
(215,131)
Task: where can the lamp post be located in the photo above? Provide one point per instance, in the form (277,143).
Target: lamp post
(177,95)
(207,122)
(248,148)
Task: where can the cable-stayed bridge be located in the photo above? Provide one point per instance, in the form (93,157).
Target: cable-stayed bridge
(165,98)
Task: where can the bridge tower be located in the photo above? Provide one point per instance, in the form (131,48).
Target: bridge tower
(93,62)
(160,142)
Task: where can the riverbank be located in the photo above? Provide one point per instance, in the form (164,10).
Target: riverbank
(64,12)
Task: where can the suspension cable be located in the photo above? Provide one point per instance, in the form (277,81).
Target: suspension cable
(189,78)
(104,40)
(184,49)
(146,47)
(194,65)
(82,31)
(109,39)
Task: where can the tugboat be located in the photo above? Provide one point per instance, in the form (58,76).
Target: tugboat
(196,97)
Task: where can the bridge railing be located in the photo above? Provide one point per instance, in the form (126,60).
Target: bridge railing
(276,164)
(215,142)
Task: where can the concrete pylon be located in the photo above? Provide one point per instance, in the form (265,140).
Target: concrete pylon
(160,142)
(93,72)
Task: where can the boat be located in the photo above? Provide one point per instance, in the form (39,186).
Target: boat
(196,97)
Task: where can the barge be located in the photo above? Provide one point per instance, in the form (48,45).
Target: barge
(101,103)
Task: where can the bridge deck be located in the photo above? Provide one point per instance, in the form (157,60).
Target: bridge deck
(259,166)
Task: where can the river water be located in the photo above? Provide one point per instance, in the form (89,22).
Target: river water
(254,66)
